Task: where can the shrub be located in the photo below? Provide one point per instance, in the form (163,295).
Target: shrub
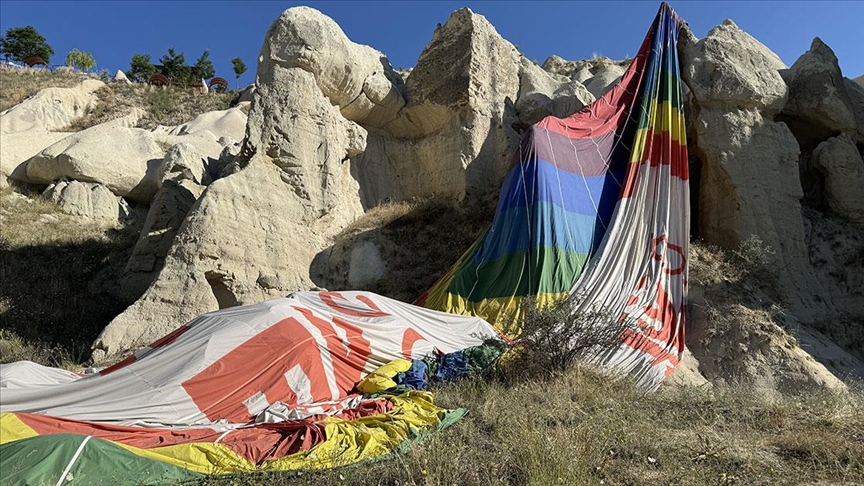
(552,337)
(81,60)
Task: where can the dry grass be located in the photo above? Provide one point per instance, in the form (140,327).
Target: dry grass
(584,428)
(16,85)
(163,106)
(48,311)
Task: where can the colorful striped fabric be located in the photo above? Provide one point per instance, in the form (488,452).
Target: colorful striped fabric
(595,209)
(269,386)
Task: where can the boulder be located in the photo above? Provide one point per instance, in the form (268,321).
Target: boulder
(50,109)
(604,80)
(542,94)
(86,199)
(246,94)
(856,98)
(184,162)
(729,68)
(230,123)
(16,148)
(819,105)
(750,186)
(842,167)
(120,77)
(454,138)
(125,160)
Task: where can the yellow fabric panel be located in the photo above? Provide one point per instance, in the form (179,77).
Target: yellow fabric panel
(664,119)
(366,437)
(498,311)
(201,457)
(12,428)
(381,379)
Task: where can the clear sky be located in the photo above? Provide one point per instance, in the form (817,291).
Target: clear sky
(113,30)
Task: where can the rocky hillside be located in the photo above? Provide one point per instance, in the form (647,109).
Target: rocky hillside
(342,173)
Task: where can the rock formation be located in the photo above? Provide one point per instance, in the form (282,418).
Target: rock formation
(333,130)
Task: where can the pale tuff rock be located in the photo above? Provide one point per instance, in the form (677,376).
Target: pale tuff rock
(819,105)
(289,190)
(729,68)
(856,98)
(50,109)
(129,120)
(455,136)
(355,78)
(125,160)
(89,200)
(16,148)
(841,165)
(184,162)
(168,209)
(542,94)
(120,77)
(230,123)
(604,80)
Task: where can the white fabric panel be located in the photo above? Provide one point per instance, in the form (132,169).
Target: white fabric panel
(153,389)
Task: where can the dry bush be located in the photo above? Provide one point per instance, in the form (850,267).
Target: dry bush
(550,339)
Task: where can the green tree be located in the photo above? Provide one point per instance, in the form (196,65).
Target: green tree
(19,43)
(239,68)
(205,66)
(81,60)
(141,68)
(174,66)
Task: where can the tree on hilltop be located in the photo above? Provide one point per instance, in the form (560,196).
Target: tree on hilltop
(19,43)
(141,68)
(81,60)
(239,68)
(174,66)
(205,66)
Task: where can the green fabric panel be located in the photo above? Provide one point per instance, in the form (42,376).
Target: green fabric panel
(548,270)
(41,460)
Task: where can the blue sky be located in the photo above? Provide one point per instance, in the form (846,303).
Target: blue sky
(113,30)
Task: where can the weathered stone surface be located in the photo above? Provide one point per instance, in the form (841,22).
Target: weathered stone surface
(184,162)
(819,105)
(168,209)
(120,77)
(455,136)
(230,123)
(604,80)
(126,160)
(356,78)
(16,148)
(745,346)
(841,166)
(750,186)
(290,189)
(50,109)
(856,99)
(86,199)
(729,68)
(542,94)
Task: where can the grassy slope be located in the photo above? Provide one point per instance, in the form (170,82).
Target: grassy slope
(583,428)
(47,260)
(168,106)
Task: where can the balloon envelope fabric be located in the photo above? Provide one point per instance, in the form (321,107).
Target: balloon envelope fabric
(595,209)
